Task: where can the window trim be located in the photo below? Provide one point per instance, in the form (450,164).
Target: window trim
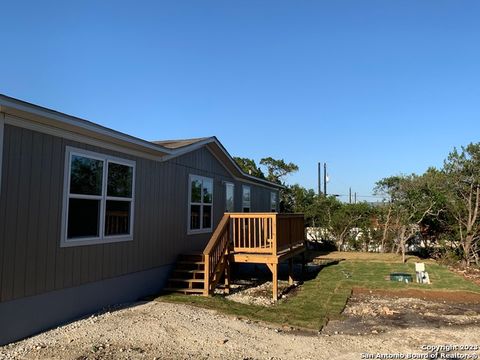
(243,201)
(202,204)
(227,184)
(273,209)
(102,238)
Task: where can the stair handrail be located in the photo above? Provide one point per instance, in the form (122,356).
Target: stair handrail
(215,250)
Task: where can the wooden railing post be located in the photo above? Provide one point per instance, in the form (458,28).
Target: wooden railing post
(214,254)
(206,260)
(274,233)
(291,235)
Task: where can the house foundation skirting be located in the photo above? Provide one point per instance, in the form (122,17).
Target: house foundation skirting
(28,316)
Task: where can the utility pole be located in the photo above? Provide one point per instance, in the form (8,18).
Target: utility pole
(350,195)
(325,179)
(319,178)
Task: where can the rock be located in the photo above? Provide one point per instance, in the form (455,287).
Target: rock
(386,311)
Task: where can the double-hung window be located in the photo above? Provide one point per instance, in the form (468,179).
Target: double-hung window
(246,198)
(98,200)
(273,201)
(200,212)
(229,197)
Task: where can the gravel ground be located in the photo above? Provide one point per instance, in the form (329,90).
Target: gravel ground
(156,330)
(258,292)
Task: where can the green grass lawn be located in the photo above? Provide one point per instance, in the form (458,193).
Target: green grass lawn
(325,296)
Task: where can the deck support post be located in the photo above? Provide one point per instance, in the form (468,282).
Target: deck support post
(227,274)
(290,271)
(274,269)
(304,262)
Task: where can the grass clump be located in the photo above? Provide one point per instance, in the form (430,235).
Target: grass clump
(324,297)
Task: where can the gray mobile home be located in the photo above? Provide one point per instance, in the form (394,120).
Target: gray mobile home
(91,217)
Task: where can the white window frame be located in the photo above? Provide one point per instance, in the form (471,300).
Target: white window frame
(227,184)
(249,207)
(102,238)
(202,230)
(273,194)
(2,127)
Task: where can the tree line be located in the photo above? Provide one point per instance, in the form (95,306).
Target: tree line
(436,213)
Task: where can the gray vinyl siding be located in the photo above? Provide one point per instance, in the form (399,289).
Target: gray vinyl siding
(31,259)
(259,197)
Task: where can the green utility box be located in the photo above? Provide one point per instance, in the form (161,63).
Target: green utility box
(398,276)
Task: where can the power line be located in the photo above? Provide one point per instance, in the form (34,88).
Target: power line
(361,196)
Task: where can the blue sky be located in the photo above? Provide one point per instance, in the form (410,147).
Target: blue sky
(375,88)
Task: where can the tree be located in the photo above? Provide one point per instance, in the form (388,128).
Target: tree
(296,199)
(249,166)
(462,186)
(350,222)
(302,198)
(318,213)
(277,169)
(413,200)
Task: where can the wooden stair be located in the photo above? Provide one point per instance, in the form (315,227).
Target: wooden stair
(188,275)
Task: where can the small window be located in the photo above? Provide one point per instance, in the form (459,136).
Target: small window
(200,204)
(246,198)
(273,201)
(98,198)
(229,197)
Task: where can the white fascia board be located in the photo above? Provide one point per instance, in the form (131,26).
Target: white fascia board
(75,136)
(17,107)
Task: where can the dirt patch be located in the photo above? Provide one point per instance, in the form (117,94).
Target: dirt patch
(378,311)
(433,295)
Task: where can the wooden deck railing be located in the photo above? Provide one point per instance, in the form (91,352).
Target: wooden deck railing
(266,233)
(117,222)
(250,233)
(253,231)
(290,231)
(215,252)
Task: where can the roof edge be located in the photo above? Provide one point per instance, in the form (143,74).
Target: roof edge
(13,106)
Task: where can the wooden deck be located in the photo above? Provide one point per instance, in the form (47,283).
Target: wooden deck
(260,238)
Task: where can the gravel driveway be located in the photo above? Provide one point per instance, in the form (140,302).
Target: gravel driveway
(156,330)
